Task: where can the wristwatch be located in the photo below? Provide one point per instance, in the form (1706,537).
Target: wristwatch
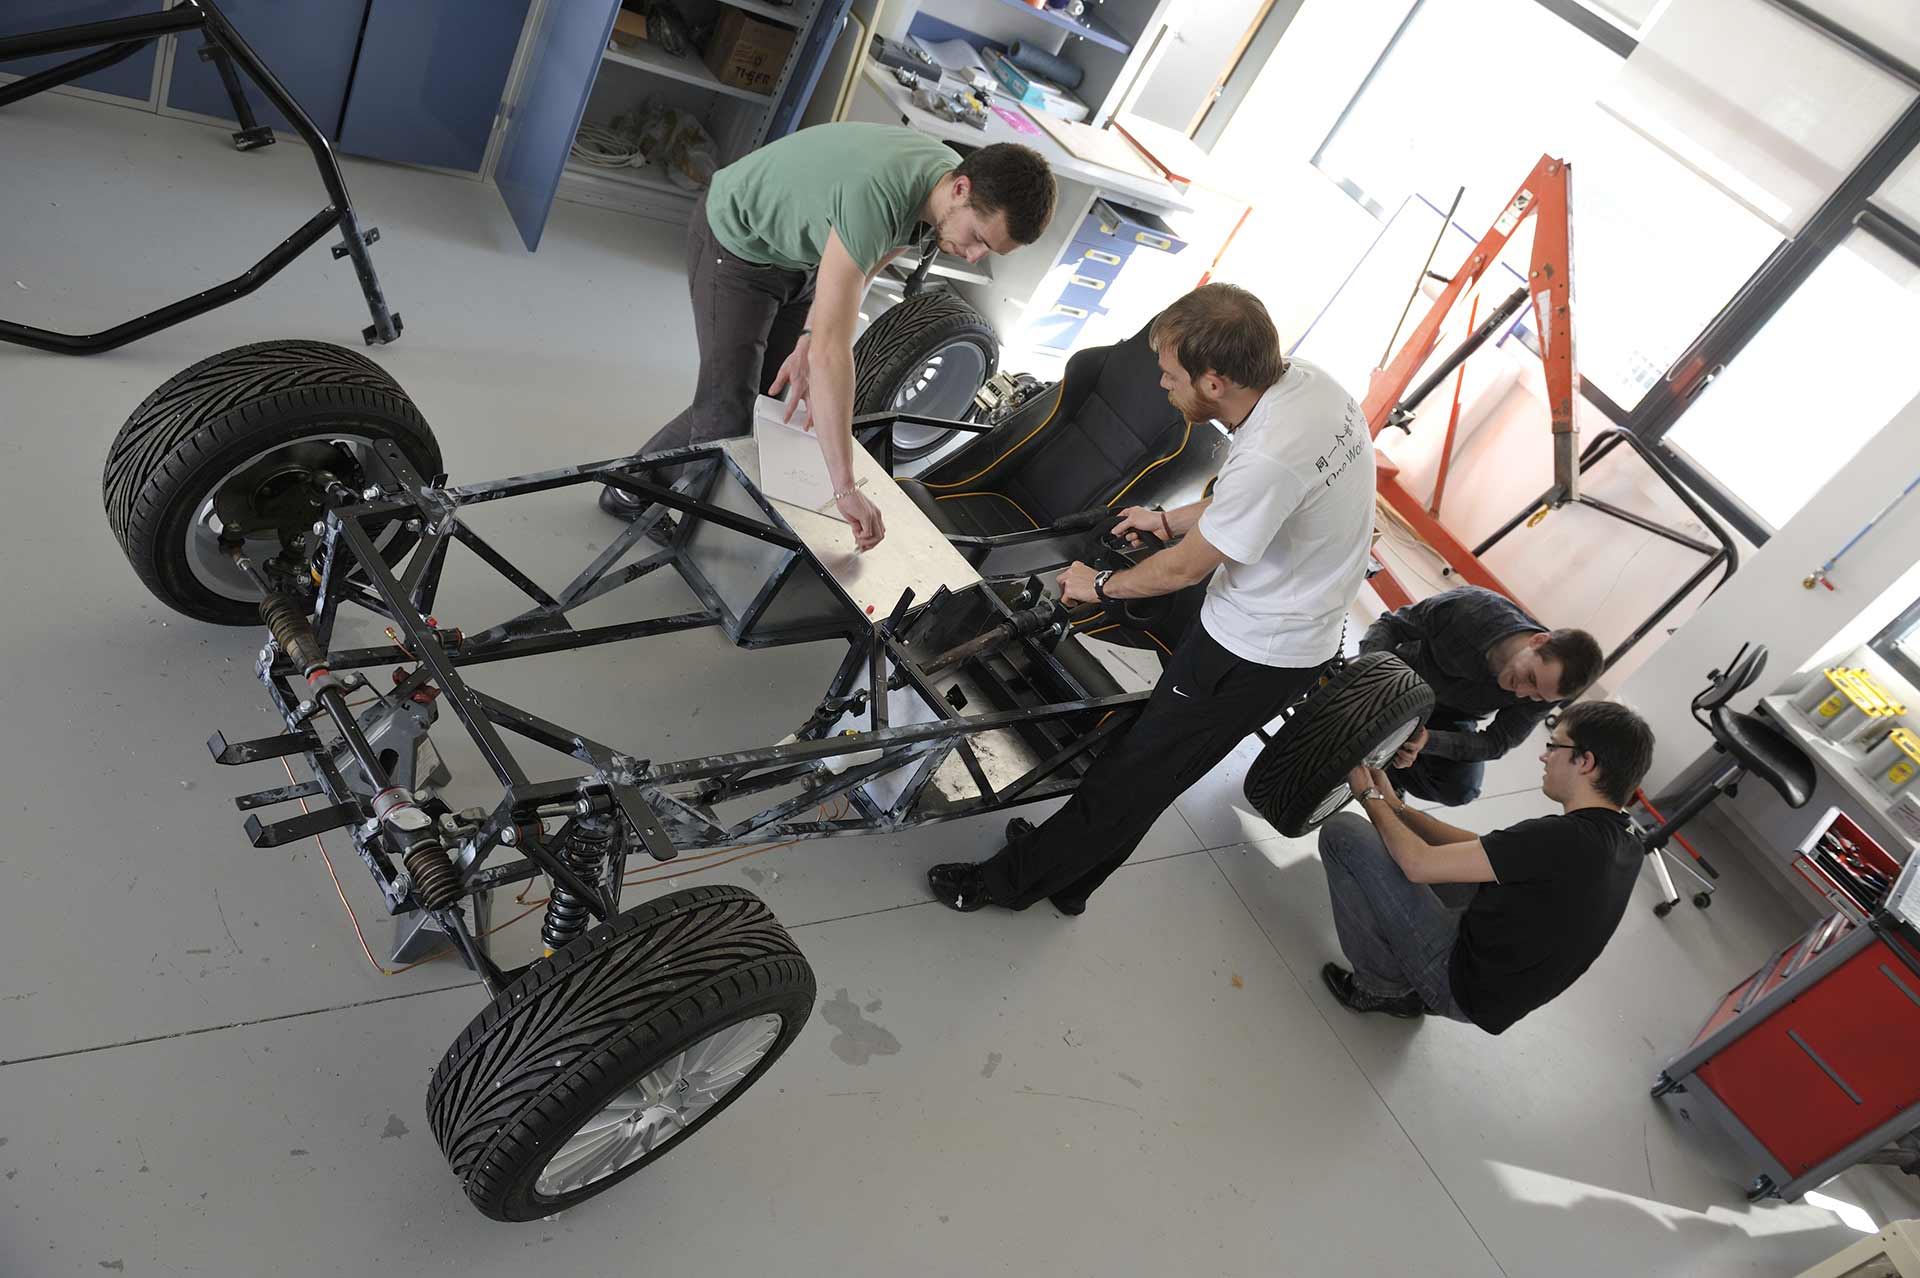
(1371,792)
(1100,584)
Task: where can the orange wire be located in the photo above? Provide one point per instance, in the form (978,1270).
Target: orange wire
(364,948)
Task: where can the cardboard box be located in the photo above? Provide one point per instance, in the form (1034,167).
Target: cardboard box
(748,53)
(629,28)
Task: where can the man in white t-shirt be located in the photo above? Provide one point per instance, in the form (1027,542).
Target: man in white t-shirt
(1283,538)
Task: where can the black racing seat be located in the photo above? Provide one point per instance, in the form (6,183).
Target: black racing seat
(1084,446)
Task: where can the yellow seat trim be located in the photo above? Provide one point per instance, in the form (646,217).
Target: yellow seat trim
(1163,461)
(1058,395)
(1031,521)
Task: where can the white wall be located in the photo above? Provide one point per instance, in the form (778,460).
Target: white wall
(1201,36)
(1304,233)
(1765,600)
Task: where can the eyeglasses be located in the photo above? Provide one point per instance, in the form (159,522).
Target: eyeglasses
(1563,745)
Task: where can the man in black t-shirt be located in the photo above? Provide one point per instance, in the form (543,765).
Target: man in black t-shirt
(1551,890)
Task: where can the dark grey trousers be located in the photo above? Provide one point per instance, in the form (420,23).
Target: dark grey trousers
(747,319)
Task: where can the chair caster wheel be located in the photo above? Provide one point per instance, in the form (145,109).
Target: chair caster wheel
(1663,909)
(1701,900)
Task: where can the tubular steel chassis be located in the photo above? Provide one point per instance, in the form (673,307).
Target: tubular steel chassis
(664,808)
(122,38)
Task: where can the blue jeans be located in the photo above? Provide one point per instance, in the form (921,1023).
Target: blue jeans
(1396,934)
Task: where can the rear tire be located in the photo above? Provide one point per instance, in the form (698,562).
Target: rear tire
(222,414)
(1362,713)
(895,368)
(583,1028)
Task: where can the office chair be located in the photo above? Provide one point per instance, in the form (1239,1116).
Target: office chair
(1756,747)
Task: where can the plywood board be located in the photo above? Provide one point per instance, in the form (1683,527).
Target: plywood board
(1096,146)
(792,469)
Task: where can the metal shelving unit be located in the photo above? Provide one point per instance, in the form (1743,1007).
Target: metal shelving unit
(787,15)
(1087,26)
(737,118)
(687,69)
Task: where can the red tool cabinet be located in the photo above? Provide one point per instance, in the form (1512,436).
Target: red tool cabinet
(1812,1063)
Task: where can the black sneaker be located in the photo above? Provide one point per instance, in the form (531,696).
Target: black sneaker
(622,504)
(1340,982)
(1018,828)
(960,885)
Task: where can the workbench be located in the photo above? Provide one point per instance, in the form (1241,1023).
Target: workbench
(1018,290)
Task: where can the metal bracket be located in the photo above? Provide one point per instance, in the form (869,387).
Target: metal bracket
(251,135)
(278,794)
(306,825)
(370,236)
(371,333)
(238,752)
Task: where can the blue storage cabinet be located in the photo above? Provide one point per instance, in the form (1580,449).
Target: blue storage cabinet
(132,78)
(1093,266)
(428,81)
(559,76)
(309,46)
(564,59)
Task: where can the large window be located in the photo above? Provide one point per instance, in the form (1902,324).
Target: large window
(1471,94)
(1828,371)
(1723,154)
(1657,249)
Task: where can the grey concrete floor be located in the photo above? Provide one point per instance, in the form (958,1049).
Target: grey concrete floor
(200,1073)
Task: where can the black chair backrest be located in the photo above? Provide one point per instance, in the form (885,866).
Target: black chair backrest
(1724,686)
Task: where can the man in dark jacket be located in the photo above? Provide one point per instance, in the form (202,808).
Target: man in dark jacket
(1482,655)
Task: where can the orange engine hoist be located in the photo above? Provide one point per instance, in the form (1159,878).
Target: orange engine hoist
(1545,197)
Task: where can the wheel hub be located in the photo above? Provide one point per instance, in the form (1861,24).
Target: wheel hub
(659,1106)
(1389,745)
(1335,800)
(268,502)
(943,386)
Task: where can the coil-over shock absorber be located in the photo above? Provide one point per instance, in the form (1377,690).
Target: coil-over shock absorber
(585,851)
(287,621)
(436,884)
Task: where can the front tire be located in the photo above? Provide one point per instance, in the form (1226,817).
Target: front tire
(1362,714)
(560,1089)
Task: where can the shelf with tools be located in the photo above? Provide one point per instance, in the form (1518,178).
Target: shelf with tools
(787,15)
(685,68)
(1843,766)
(1086,26)
(648,96)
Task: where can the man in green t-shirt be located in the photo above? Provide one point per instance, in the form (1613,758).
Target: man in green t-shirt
(781,249)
